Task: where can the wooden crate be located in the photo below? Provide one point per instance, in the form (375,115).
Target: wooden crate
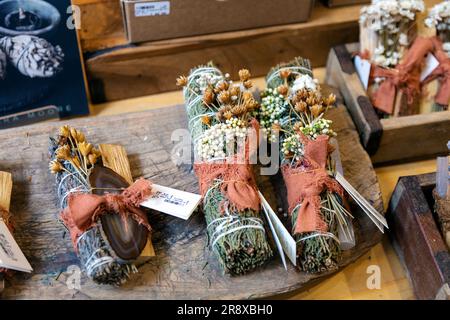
(117,71)
(416,237)
(386,140)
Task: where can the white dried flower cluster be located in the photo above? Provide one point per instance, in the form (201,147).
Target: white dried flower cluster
(205,79)
(273,105)
(318,127)
(439,16)
(221,139)
(390,19)
(304,81)
(292,146)
(446,47)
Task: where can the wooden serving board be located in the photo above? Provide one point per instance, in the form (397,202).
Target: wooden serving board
(392,139)
(183,267)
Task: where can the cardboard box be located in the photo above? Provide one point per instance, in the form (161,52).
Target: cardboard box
(149,20)
(337,3)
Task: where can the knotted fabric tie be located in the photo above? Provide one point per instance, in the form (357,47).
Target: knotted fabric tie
(404,77)
(84,209)
(305,184)
(442,72)
(237,182)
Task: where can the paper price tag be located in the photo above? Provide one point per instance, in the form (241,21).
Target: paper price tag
(431,63)
(148,9)
(282,236)
(174,202)
(11,257)
(362,67)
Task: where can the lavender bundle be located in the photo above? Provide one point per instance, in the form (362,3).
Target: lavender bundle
(32,56)
(219,114)
(77,166)
(293,110)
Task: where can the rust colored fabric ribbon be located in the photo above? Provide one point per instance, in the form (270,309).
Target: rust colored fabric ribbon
(84,209)
(305,184)
(442,72)
(238,184)
(404,77)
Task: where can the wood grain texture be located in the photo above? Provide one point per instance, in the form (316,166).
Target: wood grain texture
(115,158)
(387,140)
(152,67)
(182,267)
(417,238)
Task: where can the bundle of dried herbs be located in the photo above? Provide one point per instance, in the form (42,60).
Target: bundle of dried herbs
(99,208)
(219,113)
(293,114)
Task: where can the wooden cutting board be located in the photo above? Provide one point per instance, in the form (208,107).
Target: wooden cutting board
(183,267)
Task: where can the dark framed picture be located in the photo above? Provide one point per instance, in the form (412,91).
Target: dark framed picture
(40,63)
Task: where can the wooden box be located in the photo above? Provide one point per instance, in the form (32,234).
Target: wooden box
(386,140)
(337,3)
(417,238)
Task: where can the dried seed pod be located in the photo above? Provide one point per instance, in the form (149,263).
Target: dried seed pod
(283,90)
(181,81)
(224,97)
(206,120)
(33,56)
(208,96)
(244,75)
(284,74)
(300,106)
(2,64)
(248,84)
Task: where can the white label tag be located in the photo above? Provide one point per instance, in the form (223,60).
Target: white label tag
(281,234)
(362,67)
(431,63)
(149,9)
(11,257)
(174,202)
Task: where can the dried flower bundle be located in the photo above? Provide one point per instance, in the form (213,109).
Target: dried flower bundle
(439,18)
(219,112)
(73,161)
(300,119)
(387,29)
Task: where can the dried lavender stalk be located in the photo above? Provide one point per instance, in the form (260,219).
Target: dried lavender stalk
(33,56)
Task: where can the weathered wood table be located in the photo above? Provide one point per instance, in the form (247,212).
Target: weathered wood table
(183,267)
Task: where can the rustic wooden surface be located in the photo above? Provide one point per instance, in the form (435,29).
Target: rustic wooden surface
(392,139)
(182,267)
(151,67)
(417,237)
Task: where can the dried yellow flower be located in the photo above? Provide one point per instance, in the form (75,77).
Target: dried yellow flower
(208,96)
(228,115)
(182,81)
(244,75)
(74,133)
(235,91)
(64,131)
(55,166)
(206,120)
(316,110)
(297,126)
(81,137)
(247,95)
(300,106)
(283,90)
(331,99)
(238,110)
(76,162)
(85,148)
(63,152)
(276,127)
(92,159)
(248,84)
(224,97)
(285,74)
(222,86)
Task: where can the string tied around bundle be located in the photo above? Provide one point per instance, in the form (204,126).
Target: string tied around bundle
(84,209)
(305,184)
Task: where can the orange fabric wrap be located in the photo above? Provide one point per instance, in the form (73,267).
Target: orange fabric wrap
(305,184)
(84,209)
(405,76)
(238,184)
(442,72)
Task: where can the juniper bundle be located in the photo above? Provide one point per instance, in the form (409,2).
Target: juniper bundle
(219,120)
(33,56)
(292,110)
(76,165)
